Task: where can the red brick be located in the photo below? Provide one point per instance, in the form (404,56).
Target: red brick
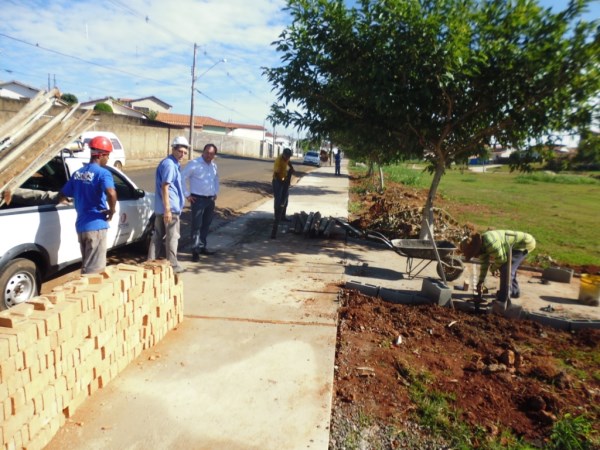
(41,303)
(57,295)
(26,334)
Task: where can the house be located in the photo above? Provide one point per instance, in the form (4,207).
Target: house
(17,90)
(501,155)
(257,132)
(201,123)
(117,107)
(147,104)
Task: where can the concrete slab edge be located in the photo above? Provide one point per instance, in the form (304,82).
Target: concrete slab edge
(411,298)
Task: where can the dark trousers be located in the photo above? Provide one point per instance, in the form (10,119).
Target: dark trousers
(517,258)
(280,197)
(203,209)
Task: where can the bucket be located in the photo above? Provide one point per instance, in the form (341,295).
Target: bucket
(589,290)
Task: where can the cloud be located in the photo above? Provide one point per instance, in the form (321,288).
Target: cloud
(137,48)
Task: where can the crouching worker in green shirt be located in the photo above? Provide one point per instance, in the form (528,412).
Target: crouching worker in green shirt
(492,248)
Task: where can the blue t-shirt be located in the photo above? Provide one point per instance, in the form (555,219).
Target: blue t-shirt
(168,171)
(88,188)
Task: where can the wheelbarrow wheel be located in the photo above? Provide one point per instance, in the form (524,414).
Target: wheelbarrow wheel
(452,267)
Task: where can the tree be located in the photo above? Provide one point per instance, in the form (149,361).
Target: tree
(151,114)
(588,151)
(70,99)
(103,107)
(436,78)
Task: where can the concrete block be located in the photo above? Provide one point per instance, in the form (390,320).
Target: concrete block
(367,289)
(396,296)
(560,323)
(557,274)
(436,291)
(581,324)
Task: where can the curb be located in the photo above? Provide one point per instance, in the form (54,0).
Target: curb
(433,293)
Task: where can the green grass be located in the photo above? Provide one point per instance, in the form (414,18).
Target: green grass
(436,412)
(562,212)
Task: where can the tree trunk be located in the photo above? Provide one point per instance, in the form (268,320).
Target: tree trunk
(381,181)
(369,170)
(428,210)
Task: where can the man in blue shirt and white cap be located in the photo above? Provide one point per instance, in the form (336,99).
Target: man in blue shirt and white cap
(168,205)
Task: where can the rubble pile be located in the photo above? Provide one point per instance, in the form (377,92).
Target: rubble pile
(397,214)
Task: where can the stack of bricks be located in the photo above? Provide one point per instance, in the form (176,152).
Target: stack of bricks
(57,350)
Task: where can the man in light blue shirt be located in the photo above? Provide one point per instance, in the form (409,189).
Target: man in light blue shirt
(201,187)
(168,205)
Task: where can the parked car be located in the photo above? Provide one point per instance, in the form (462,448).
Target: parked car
(311,158)
(80,149)
(42,238)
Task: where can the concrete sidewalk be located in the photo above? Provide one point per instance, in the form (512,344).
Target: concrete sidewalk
(251,366)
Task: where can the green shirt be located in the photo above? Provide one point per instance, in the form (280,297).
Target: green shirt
(495,245)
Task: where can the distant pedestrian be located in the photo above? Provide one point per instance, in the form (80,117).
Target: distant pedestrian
(201,186)
(93,189)
(493,248)
(338,161)
(282,173)
(168,205)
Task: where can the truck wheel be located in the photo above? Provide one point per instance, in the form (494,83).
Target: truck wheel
(118,165)
(19,282)
(452,267)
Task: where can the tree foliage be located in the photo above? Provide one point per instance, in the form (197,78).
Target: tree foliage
(435,78)
(70,99)
(103,107)
(151,114)
(588,151)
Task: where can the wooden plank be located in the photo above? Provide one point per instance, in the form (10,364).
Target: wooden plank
(45,143)
(24,119)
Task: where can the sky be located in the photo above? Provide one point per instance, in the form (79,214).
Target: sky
(141,48)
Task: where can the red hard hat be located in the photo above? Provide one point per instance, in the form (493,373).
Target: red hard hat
(101,144)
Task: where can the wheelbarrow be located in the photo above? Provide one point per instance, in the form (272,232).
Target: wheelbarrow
(449,267)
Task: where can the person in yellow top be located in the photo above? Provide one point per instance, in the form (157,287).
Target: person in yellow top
(282,173)
(492,248)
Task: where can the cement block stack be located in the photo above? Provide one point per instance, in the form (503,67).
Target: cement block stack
(57,350)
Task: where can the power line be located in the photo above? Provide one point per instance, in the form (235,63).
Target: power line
(221,105)
(147,19)
(77,58)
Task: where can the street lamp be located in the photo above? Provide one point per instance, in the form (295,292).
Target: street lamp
(194,78)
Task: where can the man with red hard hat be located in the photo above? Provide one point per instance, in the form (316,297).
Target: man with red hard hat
(93,190)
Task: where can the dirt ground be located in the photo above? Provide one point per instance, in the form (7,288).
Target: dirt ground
(426,377)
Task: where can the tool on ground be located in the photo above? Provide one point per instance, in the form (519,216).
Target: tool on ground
(449,267)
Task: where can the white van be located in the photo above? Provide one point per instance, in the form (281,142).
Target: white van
(80,149)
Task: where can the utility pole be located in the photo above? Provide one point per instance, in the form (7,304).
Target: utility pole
(191,140)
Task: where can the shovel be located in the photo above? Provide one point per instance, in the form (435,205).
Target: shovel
(506,308)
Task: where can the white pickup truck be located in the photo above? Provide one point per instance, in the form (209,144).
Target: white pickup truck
(38,236)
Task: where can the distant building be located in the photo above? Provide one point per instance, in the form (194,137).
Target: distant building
(201,123)
(147,104)
(17,90)
(257,132)
(117,107)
